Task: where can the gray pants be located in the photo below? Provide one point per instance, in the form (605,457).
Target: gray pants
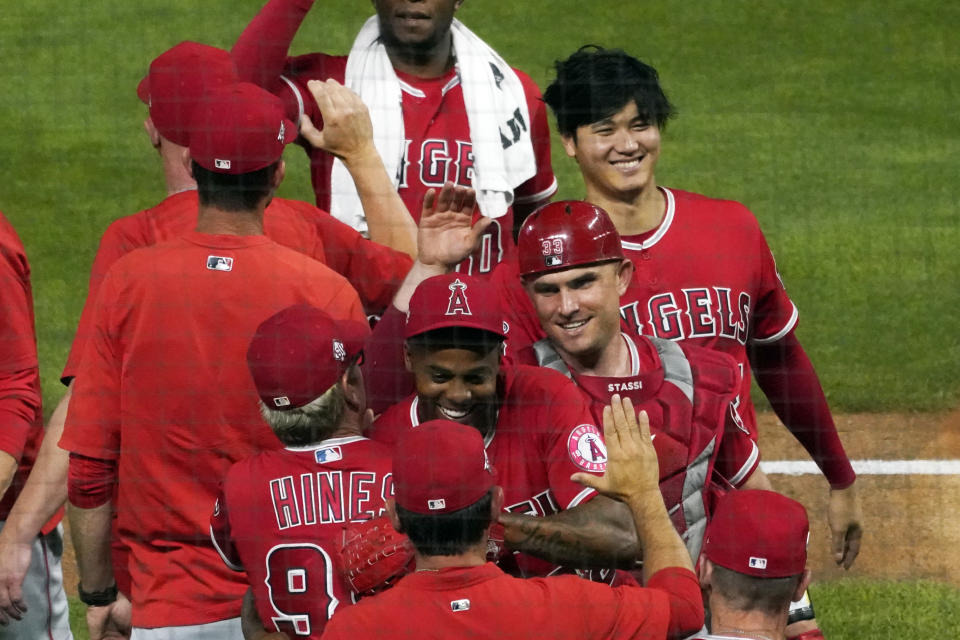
(221,630)
(48,615)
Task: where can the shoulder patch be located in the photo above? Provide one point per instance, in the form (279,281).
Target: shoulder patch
(586,448)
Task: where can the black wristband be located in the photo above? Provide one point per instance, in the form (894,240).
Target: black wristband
(98,598)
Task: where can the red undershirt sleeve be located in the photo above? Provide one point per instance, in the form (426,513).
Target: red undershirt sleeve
(686,602)
(787,377)
(260,53)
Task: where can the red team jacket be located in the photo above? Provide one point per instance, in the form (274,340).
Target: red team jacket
(164,372)
(281,517)
(374,270)
(544,433)
(439,146)
(483,602)
(21,411)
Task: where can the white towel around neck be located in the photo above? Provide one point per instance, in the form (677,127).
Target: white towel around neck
(496,112)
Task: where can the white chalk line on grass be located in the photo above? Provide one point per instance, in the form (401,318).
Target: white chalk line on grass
(867,467)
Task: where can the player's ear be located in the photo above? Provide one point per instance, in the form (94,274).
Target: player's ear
(802,586)
(704,572)
(408,363)
(624,275)
(185,158)
(496,503)
(353,390)
(279,174)
(569,144)
(391,507)
(152,132)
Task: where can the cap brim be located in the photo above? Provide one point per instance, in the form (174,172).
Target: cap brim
(290,131)
(143,90)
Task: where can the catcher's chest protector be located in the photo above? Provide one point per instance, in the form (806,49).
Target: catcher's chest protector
(686,401)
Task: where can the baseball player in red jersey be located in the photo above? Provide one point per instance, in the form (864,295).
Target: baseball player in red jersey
(536,425)
(38,609)
(281,514)
(445,107)
(165,403)
(574,270)
(175,81)
(753,565)
(704,271)
(446,499)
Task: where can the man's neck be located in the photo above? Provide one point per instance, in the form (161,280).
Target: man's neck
(475,556)
(726,621)
(175,172)
(430,63)
(613,361)
(633,213)
(230,223)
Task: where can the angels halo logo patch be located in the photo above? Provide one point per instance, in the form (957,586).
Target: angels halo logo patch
(586,448)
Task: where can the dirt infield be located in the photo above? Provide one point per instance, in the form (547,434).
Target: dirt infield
(911,523)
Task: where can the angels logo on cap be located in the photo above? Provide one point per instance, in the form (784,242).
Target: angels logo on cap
(586,448)
(458,299)
(339,352)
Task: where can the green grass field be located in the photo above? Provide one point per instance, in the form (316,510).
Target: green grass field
(862,610)
(834,121)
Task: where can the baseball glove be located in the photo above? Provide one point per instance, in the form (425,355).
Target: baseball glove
(374,555)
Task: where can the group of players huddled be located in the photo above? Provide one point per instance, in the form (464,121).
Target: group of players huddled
(551,410)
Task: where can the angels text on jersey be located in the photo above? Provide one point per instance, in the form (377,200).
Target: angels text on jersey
(697,312)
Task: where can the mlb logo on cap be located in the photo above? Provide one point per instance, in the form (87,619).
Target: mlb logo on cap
(436,505)
(757,563)
(553,261)
(221,164)
(460,605)
(339,352)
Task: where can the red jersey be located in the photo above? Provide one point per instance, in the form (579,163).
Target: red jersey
(686,392)
(484,602)
(21,413)
(165,376)
(705,276)
(374,270)
(438,143)
(280,517)
(544,433)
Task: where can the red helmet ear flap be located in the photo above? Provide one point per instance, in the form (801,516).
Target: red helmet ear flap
(566,234)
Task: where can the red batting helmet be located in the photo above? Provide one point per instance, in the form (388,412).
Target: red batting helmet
(565,234)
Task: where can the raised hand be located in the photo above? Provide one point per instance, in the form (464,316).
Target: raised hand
(447,233)
(632,467)
(347,131)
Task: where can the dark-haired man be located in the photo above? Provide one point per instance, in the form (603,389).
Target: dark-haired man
(446,499)
(445,107)
(165,403)
(754,564)
(536,425)
(704,272)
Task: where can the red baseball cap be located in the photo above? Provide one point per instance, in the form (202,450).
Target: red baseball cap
(441,466)
(300,352)
(455,300)
(758,533)
(175,82)
(565,234)
(239,128)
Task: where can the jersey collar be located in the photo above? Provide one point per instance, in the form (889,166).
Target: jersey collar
(661,230)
